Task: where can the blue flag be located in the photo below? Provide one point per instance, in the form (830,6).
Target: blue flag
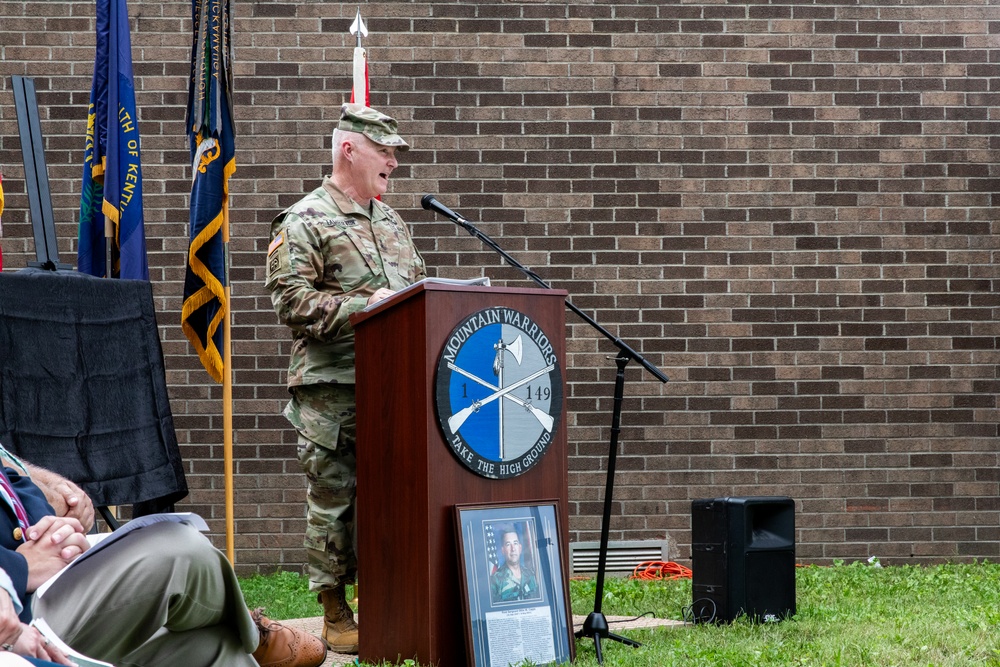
(211,132)
(112,173)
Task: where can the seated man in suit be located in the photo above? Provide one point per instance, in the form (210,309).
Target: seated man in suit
(16,639)
(161,596)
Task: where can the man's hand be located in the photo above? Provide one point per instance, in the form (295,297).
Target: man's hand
(32,644)
(73,502)
(52,543)
(380,294)
(10,626)
(66,498)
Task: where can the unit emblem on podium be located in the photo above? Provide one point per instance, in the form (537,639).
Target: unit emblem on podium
(498,391)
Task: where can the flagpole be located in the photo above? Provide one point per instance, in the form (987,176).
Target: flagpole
(359,78)
(206,315)
(227,392)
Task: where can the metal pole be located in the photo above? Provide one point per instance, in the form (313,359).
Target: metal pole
(227,392)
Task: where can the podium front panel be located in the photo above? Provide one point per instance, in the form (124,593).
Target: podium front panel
(409,480)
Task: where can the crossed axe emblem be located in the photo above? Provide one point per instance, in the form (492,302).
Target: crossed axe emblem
(515,350)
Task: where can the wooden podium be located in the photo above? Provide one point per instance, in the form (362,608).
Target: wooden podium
(409,480)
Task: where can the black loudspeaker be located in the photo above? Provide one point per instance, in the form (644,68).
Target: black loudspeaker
(743,558)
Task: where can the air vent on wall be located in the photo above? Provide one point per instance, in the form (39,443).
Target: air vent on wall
(622,556)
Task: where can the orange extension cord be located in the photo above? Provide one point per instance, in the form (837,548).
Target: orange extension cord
(657,569)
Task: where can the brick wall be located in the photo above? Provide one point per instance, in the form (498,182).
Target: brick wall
(789,208)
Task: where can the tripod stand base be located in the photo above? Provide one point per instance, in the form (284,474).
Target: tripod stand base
(596,628)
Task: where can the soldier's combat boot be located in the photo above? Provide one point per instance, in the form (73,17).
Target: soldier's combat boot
(340,632)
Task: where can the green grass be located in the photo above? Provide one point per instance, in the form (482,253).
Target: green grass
(283,595)
(856,615)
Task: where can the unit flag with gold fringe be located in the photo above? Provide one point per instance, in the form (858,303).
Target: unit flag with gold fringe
(212,138)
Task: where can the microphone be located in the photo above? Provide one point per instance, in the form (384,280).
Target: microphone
(431,204)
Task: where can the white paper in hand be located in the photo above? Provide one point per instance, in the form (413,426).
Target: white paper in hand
(104,540)
(79,658)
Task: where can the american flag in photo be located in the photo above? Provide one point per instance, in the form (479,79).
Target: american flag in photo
(491,547)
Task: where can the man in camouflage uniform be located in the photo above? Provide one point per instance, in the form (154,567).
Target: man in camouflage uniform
(333,253)
(513,580)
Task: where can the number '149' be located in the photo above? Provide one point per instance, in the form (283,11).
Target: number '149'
(539,393)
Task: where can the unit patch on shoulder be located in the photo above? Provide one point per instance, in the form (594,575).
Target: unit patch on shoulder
(278,240)
(278,261)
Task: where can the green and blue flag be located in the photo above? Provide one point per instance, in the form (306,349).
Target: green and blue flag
(112,172)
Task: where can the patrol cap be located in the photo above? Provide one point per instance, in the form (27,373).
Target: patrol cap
(373,124)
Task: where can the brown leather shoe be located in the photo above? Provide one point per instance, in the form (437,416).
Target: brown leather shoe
(340,631)
(281,646)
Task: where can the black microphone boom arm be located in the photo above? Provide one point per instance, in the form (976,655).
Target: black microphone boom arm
(432,204)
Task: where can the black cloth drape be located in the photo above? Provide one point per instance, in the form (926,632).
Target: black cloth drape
(82,386)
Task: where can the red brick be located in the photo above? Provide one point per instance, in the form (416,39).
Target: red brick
(787,235)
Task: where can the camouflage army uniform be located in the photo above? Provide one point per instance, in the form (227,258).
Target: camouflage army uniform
(503,588)
(327,256)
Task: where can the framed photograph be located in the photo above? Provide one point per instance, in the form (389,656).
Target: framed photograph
(513,584)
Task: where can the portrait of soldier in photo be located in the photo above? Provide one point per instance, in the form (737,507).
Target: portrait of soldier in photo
(514,578)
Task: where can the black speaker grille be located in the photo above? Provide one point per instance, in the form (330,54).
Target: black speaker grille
(770,584)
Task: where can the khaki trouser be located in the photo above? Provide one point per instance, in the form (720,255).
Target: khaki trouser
(163,595)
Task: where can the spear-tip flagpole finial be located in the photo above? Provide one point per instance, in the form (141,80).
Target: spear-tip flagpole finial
(358,27)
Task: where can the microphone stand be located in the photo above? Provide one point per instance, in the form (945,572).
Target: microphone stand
(596,625)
